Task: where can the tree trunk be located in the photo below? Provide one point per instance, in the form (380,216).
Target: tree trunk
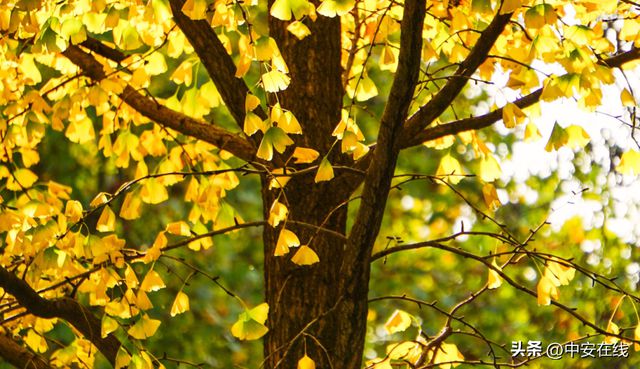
(310,309)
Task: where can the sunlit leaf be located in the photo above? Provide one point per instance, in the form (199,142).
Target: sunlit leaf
(450,169)
(490,196)
(448,353)
(629,163)
(286,239)
(283,9)
(298,29)
(275,81)
(331,8)
(614,329)
(108,325)
(21,179)
(325,171)
(305,155)
(152,282)
(107,220)
(277,213)
(144,328)
(489,168)
(559,272)
(495,280)
(250,324)
(398,322)
(305,256)
(306,363)
(512,115)
(180,304)
(547,290)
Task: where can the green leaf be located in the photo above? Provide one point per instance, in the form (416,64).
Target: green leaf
(250,324)
(283,9)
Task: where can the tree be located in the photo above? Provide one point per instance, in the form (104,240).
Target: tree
(294,93)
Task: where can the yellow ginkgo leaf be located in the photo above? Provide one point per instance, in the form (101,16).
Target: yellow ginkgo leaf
(546,291)
(378,363)
(35,341)
(122,358)
(180,304)
(489,168)
(448,356)
(495,280)
(512,115)
(250,324)
(305,155)
(578,137)
(21,179)
(277,213)
(305,256)
(179,228)
(152,282)
(361,88)
(398,322)
(325,171)
(298,29)
(108,325)
(289,123)
(183,74)
(283,9)
(195,9)
(627,98)
(279,180)
(409,351)
(144,328)
(286,239)
(531,133)
(509,6)
(450,168)
(614,329)
(131,207)
(636,336)
(153,192)
(107,220)
(275,81)
(100,199)
(253,124)
(276,138)
(331,8)
(73,211)
(306,363)
(629,163)
(143,302)
(121,307)
(251,102)
(490,196)
(559,273)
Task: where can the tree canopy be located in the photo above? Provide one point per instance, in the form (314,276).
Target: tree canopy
(319,184)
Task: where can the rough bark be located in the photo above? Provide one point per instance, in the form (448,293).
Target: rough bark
(304,300)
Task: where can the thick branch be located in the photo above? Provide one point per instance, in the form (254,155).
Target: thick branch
(104,50)
(215,59)
(486,120)
(164,116)
(380,172)
(19,356)
(65,308)
(441,101)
